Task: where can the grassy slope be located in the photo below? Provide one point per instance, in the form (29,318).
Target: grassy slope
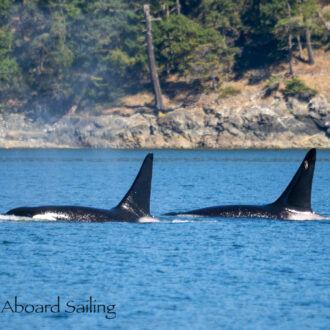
(315,76)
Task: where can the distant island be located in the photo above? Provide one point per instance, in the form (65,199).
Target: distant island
(215,74)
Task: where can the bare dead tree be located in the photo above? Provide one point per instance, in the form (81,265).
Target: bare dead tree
(290,44)
(300,47)
(178,7)
(151,59)
(290,53)
(311,59)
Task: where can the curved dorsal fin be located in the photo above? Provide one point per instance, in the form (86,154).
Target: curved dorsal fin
(138,196)
(298,192)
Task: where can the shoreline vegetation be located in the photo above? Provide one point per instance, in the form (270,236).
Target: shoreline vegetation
(232,75)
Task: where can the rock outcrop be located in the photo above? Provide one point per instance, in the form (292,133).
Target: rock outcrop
(259,123)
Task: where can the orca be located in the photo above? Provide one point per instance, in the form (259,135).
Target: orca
(134,207)
(293,204)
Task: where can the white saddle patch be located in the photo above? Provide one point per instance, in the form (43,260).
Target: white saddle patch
(52,216)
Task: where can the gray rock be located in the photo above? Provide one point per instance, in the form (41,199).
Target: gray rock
(260,123)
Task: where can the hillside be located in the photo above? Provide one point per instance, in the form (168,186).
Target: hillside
(316,76)
(194,120)
(86,56)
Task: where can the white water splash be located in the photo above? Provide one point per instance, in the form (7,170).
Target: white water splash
(304,216)
(6,217)
(147,220)
(182,221)
(190,221)
(50,216)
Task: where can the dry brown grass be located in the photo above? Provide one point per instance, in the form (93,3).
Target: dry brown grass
(316,76)
(140,99)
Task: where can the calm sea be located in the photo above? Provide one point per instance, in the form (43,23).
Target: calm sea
(179,273)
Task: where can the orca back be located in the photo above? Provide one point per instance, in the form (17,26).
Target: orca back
(297,195)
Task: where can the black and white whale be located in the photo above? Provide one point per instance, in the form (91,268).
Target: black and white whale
(134,207)
(293,204)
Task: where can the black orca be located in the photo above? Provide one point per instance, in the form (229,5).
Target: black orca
(293,204)
(134,207)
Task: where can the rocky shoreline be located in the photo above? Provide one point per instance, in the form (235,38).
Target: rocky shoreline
(274,122)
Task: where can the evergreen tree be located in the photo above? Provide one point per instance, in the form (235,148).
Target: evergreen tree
(187,48)
(222,15)
(9,69)
(56,54)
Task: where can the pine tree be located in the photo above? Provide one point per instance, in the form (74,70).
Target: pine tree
(10,74)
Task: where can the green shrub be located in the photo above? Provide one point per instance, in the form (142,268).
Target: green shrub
(326,15)
(272,85)
(273,80)
(229,91)
(297,88)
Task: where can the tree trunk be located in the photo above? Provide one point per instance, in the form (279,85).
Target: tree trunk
(178,7)
(152,62)
(290,54)
(326,24)
(300,47)
(309,46)
(214,84)
(290,43)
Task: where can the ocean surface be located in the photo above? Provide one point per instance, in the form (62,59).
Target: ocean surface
(179,273)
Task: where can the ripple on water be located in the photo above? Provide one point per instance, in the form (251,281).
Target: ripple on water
(178,273)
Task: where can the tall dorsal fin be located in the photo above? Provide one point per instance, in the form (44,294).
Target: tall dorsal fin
(298,192)
(138,196)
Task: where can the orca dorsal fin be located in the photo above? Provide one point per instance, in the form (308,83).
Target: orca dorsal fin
(138,196)
(297,195)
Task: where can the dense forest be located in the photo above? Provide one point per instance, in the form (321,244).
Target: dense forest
(56,54)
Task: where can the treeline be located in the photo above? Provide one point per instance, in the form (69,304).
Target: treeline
(59,54)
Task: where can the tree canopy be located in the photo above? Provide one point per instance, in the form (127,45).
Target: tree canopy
(58,54)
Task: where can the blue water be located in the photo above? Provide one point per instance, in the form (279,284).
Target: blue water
(179,273)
